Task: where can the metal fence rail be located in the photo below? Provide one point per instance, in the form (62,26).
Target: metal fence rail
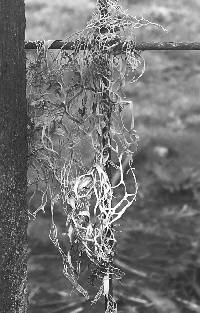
(119,47)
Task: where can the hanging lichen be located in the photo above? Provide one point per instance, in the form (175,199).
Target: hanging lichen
(76,102)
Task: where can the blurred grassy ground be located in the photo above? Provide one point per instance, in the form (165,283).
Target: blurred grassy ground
(161,231)
(168,93)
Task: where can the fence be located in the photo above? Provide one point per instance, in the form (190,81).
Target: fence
(142,46)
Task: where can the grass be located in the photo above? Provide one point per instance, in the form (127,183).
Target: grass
(55,19)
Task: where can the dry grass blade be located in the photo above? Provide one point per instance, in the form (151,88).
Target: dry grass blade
(129,269)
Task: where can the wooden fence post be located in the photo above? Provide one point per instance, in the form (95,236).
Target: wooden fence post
(13,158)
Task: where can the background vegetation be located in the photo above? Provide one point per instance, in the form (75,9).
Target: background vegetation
(159,246)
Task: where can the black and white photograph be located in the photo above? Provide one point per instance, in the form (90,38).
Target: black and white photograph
(99,156)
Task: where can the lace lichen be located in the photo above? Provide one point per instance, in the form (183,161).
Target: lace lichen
(76,102)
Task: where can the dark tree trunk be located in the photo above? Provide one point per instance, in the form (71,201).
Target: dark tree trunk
(13,158)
